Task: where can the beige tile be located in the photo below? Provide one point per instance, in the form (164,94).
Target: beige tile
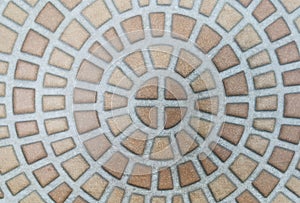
(174,90)
(116,196)
(123,5)
(202,127)
(264,9)
(207,39)
(187,62)
(134,28)
(158,200)
(35,43)
(257,143)
(265,183)
(75,167)
(54,81)
(157,23)
(46,174)
(137,198)
(248,38)
(23,100)
(143,3)
(161,55)
(281,158)
(2,89)
(148,116)
(203,82)
(221,152)
(165,181)
(243,167)
(225,58)
(116,165)
(266,103)
(221,187)
(7,40)
(207,7)
(8,159)
(136,142)
(120,79)
(290,133)
(34,152)
(97,13)
(136,62)
(18,183)
(245,3)
(186,3)
(56,125)
(3,67)
(27,128)
(259,59)
(164,2)
(113,38)
(265,80)
(187,174)
(264,124)
(288,53)
(161,149)
(26,71)
(277,30)
(2,111)
(32,197)
(114,101)
(83,96)
(280,198)
(292,105)
(70,4)
(229,17)
(246,197)
(4,132)
(236,85)
(53,102)
(141,176)
(86,121)
(32,2)
(61,193)
(198,196)
(97,146)
(290,5)
(182,26)
(61,59)
(293,185)
(173,116)
(89,72)
(100,52)
(207,164)
(50,17)
(75,35)
(185,142)
(15,13)
(291,78)
(231,132)
(208,105)
(149,90)
(62,146)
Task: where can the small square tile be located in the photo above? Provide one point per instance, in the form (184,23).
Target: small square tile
(35,44)
(34,152)
(15,13)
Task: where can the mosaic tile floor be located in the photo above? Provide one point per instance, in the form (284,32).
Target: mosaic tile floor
(149,101)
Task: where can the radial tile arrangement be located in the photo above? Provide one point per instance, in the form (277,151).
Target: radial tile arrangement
(149,101)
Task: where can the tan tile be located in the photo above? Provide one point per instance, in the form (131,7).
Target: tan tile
(137,198)
(114,101)
(143,3)
(89,72)
(54,81)
(161,55)
(113,38)
(3,67)
(221,187)
(266,103)
(264,124)
(246,197)
(187,63)
(264,9)
(119,124)
(292,105)
(177,199)
(32,2)
(257,144)
(53,102)
(18,183)
(61,193)
(293,185)
(173,116)
(259,59)
(123,5)
(34,152)
(207,39)
(116,196)
(265,80)
(291,78)
(187,174)
(221,152)
(75,35)
(97,146)
(56,125)
(245,3)
(290,133)
(207,164)
(100,52)
(46,174)
(2,89)
(185,142)
(32,197)
(50,17)
(148,116)
(165,181)
(76,166)
(157,23)
(182,26)
(237,109)
(71,4)
(62,146)
(23,100)
(243,167)
(280,198)
(134,28)
(83,96)
(35,43)
(207,7)
(120,79)
(86,121)
(15,13)
(201,126)
(164,2)
(79,200)
(197,196)
(149,90)
(61,59)
(281,158)
(4,132)
(277,30)
(97,13)
(158,199)
(236,85)
(27,128)
(225,58)
(288,53)
(248,38)
(231,132)
(136,142)
(95,186)
(265,183)
(7,40)
(290,5)
(186,3)
(136,62)
(229,17)
(2,111)
(141,176)
(8,159)
(26,70)
(203,82)
(116,165)
(161,149)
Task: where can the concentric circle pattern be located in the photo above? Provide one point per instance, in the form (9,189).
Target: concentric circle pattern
(150,101)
